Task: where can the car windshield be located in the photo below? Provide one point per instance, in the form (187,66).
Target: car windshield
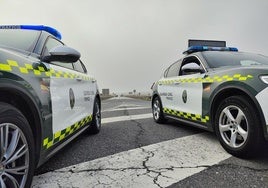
(18,39)
(221,59)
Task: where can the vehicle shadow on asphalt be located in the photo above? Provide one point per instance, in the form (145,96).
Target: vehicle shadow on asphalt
(184,126)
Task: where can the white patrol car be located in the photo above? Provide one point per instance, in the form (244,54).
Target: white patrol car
(217,89)
(47,98)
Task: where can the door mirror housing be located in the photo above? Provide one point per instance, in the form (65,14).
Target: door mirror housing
(62,54)
(191,68)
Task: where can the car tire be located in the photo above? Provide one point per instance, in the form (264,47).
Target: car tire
(237,128)
(95,125)
(17,161)
(157,111)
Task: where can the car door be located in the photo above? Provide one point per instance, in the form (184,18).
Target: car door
(167,86)
(87,89)
(189,89)
(67,95)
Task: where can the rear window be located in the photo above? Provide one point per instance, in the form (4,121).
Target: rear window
(18,39)
(221,59)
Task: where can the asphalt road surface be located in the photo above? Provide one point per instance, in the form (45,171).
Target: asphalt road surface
(133,151)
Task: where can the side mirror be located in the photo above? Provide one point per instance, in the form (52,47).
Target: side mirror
(191,68)
(63,54)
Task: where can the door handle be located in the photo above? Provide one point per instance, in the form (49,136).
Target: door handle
(40,65)
(79,79)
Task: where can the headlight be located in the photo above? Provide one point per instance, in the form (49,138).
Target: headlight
(264,79)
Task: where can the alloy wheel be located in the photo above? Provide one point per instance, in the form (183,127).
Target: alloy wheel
(156,109)
(14,156)
(233,126)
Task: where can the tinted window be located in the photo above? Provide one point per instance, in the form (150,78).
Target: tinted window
(173,70)
(79,66)
(19,39)
(51,43)
(221,59)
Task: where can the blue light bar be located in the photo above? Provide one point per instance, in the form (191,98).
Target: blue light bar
(48,29)
(193,49)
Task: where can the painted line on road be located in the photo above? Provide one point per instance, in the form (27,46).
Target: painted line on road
(119,98)
(153,166)
(130,108)
(126,118)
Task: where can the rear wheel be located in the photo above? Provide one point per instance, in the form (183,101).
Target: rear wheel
(237,128)
(16,149)
(95,126)
(158,111)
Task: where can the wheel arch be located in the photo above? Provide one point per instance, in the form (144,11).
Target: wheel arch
(231,91)
(21,100)
(99,98)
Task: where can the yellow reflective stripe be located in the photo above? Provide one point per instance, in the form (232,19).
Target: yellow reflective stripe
(208,79)
(48,74)
(60,135)
(57,75)
(12,63)
(237,76)
(27,68)
(41,69)
(5,67)
(49,144)
(186,115)
(23,70)
(243,78)
(57,134)
(37,72)
(45,141)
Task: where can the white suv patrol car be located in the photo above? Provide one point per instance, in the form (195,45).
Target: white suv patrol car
(47,99)
(217,89)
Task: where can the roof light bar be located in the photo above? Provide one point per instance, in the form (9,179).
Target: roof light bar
(48,29)
(193,49)
(210,43)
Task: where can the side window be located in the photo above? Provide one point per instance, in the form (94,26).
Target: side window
(173,70)
(80,67)
(51,43)
(191,65)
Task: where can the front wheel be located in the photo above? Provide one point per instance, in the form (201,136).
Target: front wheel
(16,149)
(237,128)
(95,126)
(158,111)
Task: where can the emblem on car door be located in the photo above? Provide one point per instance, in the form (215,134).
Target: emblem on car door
(184,96)
(72,98)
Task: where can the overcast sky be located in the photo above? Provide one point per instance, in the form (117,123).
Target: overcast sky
(127,44)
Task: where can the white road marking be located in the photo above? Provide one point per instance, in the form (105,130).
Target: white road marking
(126,118)
(126,108)
(152,166)
(118,98)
